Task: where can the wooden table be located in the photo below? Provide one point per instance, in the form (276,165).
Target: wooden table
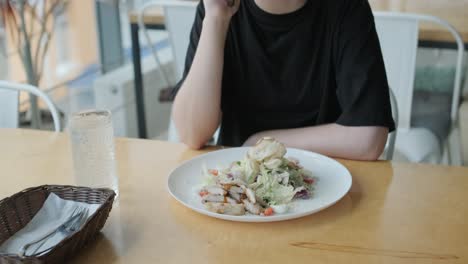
(395,213)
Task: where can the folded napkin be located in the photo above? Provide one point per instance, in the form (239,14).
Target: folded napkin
(53,213)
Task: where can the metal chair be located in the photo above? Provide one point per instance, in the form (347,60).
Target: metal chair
(398,34)
(9,100)
(390,148)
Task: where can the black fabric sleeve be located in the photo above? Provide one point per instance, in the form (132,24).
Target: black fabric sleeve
(362,87)
(193,44)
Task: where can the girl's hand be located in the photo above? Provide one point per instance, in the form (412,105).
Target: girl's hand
(221,9)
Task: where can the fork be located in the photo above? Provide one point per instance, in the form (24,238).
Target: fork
(70,226)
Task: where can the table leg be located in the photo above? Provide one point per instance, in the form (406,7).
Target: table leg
(139,91)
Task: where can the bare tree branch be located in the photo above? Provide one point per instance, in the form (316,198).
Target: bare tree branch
(42,47)
(56,5)
(40,43)
(43,26)
(27,46)
(44,52)
(9,19)
(17,41)
(23,31)
(31,8)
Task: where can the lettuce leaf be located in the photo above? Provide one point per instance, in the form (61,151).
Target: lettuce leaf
(272,191)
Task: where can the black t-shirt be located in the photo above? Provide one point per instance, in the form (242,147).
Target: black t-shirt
(320,64)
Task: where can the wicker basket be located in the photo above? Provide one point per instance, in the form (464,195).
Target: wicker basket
(16,211)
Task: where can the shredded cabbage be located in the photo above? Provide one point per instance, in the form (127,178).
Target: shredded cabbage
(272,192)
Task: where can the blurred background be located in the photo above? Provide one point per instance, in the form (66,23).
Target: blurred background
(96,52)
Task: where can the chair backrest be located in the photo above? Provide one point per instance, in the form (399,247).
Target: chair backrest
(398,35)
(9,103)
(399,43)
(9,108)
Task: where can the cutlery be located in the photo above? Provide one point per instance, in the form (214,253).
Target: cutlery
(70,226)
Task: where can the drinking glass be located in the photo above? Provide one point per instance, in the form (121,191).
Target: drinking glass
(93,151)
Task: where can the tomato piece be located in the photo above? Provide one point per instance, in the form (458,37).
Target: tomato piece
(214,172)
(309,180)
(269,211)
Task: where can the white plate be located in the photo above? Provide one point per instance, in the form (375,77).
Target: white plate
(334,181)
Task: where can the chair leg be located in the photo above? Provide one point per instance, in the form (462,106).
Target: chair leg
(391,147)
(453,147)
(448,151)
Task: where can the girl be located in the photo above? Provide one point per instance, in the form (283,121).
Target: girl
(309,73)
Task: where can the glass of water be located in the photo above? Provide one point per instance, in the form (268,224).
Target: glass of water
(93,151)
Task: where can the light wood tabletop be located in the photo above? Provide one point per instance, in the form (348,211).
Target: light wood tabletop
(454,11)
(153,16)
(394,213)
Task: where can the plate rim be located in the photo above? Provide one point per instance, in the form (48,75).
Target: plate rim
(281,217)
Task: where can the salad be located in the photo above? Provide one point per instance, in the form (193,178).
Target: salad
(265,182)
